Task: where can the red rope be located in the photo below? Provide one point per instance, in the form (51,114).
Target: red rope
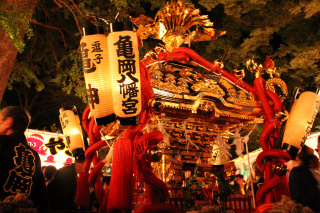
(85,180)
(270,191)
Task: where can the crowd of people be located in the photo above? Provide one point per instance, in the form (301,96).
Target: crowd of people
(62,187)
(52,189)
(303,179)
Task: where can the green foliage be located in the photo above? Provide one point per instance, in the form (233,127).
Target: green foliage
(22,72)
(16,21)
(225,188)
(70,77)
(284,30)
(192,188)
(287,205)
(254,141)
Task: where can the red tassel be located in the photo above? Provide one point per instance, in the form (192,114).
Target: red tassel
(121,184)
(95,173)
(82,197)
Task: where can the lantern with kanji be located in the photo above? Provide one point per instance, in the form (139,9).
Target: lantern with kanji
(124,72)
(300,121)
(94,49)
(71,127)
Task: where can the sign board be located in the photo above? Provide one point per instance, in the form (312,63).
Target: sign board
(51,147)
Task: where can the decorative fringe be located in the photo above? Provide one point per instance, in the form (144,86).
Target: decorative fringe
(85,180)
(121,184)
(82,196)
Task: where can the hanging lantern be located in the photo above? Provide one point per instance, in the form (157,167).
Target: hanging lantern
(71,127)
(125,72)
(95,60)
(300,121)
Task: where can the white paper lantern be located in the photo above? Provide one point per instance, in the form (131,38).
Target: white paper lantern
(301,118)
(125,74)
(71,127)
(95,60)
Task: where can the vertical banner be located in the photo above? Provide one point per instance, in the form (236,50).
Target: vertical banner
(125,74)
(94,49)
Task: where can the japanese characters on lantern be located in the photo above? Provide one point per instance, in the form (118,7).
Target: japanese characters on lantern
(97,77)
(70,123)
(125,75)
(302,115)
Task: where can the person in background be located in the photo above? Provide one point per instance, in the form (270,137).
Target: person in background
(240,186)
(20,165)
(258,178)
(62,189)
(105,182)
(49,173)
(302,183)
(43,168)
(94,204)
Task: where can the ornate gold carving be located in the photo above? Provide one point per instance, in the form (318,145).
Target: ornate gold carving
(279,82)
(239,73)
(191,75)
(240,97)
(208,86)
(176,23)
(259,70)
(187,94)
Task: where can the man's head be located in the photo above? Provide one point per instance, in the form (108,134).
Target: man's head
(13,119)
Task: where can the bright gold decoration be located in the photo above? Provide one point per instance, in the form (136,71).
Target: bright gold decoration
(269,68)
(173,25)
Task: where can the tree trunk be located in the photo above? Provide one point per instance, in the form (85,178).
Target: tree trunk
(8,52)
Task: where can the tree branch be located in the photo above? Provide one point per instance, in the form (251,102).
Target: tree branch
(74,15)
(52,27)
(79,11)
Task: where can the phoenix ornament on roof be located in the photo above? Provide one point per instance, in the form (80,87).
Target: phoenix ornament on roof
(176,24)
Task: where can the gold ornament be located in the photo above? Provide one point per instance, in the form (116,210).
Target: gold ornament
(239,73)
(175,24)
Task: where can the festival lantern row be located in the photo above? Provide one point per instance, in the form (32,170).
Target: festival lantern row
(112,77)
